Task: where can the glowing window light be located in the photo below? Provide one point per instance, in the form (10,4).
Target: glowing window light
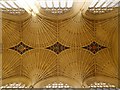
(17,4)
(12,4)
(58,85)
(111,5)
(62,3)
(49,3)
(43,3)
(115,4)
(29,6)
(56,3)
(93,3)
(1,6)
(107,3)
(104,3)
(102,6)
(69,3)
(101,85)
(5,4)
(56,6)
(23,4)
(100,3)
(14,85)
(32,5)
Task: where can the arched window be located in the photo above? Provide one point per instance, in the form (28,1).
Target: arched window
(56,6)
(14,85)
(101,85)
(58,85)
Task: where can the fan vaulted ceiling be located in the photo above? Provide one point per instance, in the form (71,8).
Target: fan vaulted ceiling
(78,48)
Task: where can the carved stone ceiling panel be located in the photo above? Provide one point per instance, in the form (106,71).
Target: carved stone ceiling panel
(59,48)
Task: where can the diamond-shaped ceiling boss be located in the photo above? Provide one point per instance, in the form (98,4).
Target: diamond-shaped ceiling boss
(21,48)
(94,47)
(57,48)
